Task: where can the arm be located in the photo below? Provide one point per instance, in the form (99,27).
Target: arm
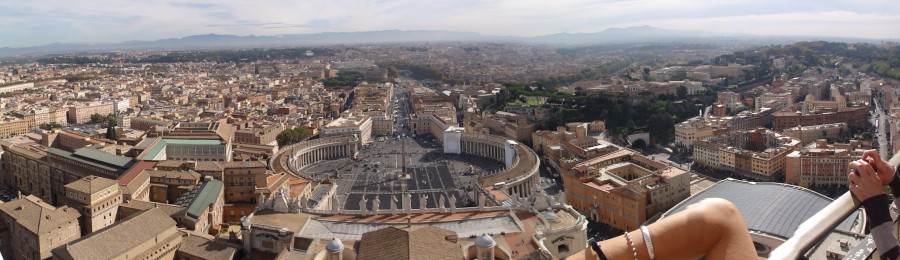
(712,228)
(894,184)
(880,226)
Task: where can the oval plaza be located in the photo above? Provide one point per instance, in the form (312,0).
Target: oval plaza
(468,194)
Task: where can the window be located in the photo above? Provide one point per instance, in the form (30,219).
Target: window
(562,248)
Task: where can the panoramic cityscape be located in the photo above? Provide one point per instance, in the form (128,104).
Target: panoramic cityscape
(449,130)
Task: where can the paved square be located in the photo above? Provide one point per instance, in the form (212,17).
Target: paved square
(377,172)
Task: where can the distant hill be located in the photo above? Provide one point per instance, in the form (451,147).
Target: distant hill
(641,34)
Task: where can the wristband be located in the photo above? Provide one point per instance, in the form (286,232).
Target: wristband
(647,242)
(596,247)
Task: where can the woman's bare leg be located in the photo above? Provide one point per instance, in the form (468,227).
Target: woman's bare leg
(712,228)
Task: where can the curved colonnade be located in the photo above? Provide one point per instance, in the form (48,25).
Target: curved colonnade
(294,157)
(520,175)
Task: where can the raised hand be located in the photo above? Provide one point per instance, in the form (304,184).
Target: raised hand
(864,182)
(884,171)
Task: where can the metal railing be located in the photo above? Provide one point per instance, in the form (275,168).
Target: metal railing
(816,228)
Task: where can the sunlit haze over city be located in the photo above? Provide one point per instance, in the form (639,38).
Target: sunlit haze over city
(459,130)
(30,23)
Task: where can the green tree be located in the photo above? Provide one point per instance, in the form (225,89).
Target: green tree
(682,92)
(49,126)
(392,71)
(112,133)
(867,136)
(111,121)
(97,118)
(292,136)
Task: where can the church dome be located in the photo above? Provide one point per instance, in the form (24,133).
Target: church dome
(334,246)
(485,241)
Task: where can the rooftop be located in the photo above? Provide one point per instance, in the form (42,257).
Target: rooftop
(426,242)
(140,205)
(245,164)
(463,223)
(199,199)
(153,152)
(36,215)
(771,208)
(96,158)
(114,240)
(91,184)
(202,246)
(180,175)
(292,221)
(135,170)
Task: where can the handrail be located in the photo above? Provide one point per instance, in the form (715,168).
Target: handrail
(816,227)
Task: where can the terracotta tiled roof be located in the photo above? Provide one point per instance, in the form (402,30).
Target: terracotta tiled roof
(38,216)
(426,242)
(180,175)
(135,170)
(91,184)
(116,239)
(206,247)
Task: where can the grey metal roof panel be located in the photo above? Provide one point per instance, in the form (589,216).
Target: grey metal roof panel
(119,161)
(115,165)
(773,208)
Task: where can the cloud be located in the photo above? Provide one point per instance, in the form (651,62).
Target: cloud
(834,23)
(26,23)
(242,25)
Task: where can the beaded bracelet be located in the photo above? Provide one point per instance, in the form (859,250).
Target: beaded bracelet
(631,243)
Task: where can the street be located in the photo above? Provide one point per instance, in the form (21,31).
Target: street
(880,119)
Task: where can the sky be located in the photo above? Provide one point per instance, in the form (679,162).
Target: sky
(26,23)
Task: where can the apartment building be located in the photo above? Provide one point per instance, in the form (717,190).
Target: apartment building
(190,141)
(812,133)
(852,116)
(26,169)
(243,184)
(135,183)
(728,97)
(731,70)
(623,188)
(382,125)
(150,234)
(97,199)
(240,180)
(144,123)
(698,128)
(12,126)
(772,100)
(562,148)
(261,135)
(31,228)
(822,164)
(756,154)
(81,113)
(349,125)
(86,161)
(752,119)
(203,206)
(166,186)
(36,116)
(513,126)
